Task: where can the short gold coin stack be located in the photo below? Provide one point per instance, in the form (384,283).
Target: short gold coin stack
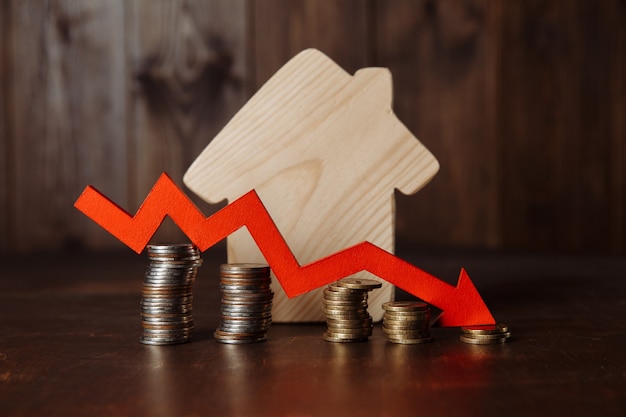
(407,322)
(345,308)
(489,334)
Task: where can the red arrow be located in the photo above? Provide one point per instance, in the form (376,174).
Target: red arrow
(462,305)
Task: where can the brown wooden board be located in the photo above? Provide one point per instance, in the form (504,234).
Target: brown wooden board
(189,68)
(522,103)
(556,124)
(282,28)
(68,109)
(443,56)
(70,347)
(4,129)
(617,71)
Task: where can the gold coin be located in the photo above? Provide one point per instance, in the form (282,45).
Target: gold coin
(485,329)
(359,283)
(478,341)
(405,306)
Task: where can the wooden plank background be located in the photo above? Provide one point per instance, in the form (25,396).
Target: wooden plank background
(523,103)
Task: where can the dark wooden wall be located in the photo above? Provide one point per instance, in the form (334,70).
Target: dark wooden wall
(522,102)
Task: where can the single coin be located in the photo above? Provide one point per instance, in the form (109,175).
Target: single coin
(485,329)
(359,283)
(477,341)
(330,337)
(163,340)
(244,267)
(505,335)
(405,306)
(417,341)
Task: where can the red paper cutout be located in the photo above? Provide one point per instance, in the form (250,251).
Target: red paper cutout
(462,305)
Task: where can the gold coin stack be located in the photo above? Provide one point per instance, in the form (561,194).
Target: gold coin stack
(489,334)
(166,303)
(246,311)
(345,308)
(407,322)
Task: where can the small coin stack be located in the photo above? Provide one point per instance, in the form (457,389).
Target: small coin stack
(407,322)
(166,302)
(246,303)
(345,308)
(489,334)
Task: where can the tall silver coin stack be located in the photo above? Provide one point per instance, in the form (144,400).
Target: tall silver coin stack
(246,309)
(166,303)
(345,308)
(488,334)
(407,322)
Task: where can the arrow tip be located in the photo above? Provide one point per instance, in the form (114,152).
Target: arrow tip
(468,308)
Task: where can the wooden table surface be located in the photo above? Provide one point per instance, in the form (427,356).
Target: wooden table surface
(69,329)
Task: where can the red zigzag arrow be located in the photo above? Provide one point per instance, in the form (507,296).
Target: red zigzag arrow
(462,305)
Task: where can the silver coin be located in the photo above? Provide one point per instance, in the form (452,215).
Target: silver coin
(238,288)
(245,316)
(226,310)
(171,247)
(160,341)
(155,324)
(167,308)
(244,321)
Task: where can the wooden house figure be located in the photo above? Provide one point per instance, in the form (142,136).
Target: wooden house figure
(324,151)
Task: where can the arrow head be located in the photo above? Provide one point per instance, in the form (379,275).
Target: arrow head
(467,308)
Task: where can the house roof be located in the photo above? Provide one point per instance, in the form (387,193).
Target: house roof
(313,110)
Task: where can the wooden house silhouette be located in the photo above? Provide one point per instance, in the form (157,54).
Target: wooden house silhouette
(324,151)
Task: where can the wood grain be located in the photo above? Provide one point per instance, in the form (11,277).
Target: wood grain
(617,75)
(5,160)
(443,56)
(556,86)
(282,28)
(68,110)
(189,66)
(523,104)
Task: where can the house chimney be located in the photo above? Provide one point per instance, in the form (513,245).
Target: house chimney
(376,81)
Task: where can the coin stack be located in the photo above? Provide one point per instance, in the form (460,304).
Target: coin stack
(345,308)
(246,303)
(167,293)
(490,334)
(407,322)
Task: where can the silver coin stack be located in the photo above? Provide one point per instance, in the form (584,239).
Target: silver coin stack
(407,322)
(489,334)
(166,303)
(345,308)
(246,311)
